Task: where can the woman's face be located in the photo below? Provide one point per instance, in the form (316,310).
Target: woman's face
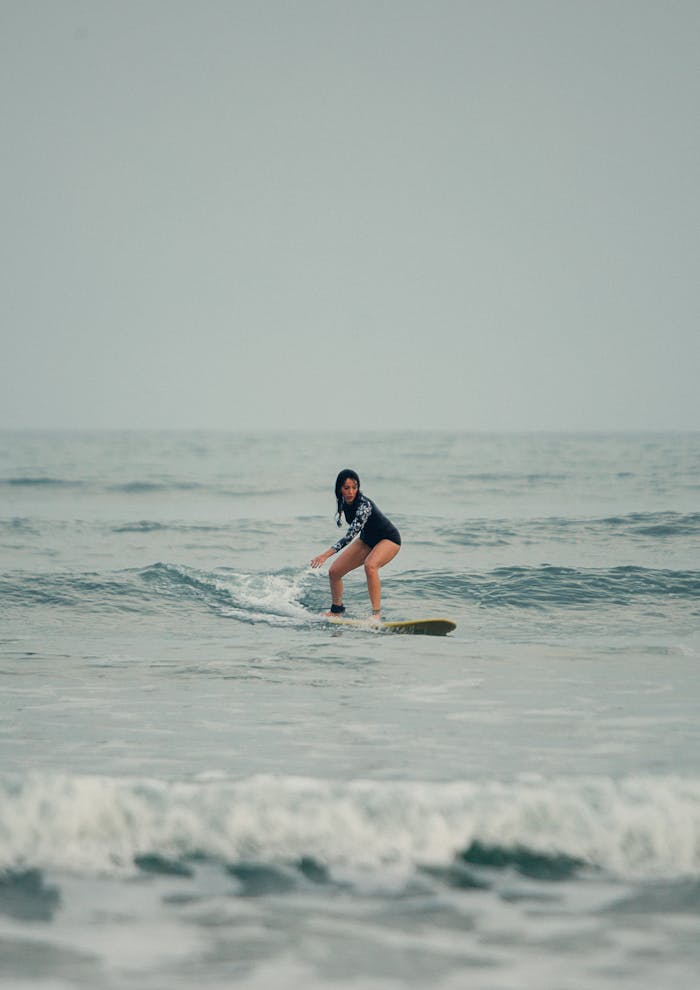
(348,490)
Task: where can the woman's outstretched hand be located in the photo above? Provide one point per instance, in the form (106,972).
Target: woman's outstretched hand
(321,559)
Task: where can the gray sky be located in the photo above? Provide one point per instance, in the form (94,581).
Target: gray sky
(473,215)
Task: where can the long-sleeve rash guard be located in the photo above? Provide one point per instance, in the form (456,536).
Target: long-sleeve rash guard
(367,522)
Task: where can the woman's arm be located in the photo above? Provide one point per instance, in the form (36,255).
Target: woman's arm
(363,513)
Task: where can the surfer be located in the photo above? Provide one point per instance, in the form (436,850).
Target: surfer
(379,542)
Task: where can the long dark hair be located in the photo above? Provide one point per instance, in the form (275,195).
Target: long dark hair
(339,482)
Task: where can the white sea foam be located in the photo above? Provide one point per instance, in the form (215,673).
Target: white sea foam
(636,827)
(265,596)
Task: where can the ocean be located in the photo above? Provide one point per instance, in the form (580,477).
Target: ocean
(204,784)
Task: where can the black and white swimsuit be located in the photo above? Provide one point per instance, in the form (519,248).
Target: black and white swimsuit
(367,522)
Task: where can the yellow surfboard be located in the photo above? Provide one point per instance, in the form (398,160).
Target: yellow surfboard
(418,627)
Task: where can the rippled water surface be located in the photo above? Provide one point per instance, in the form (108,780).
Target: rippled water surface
(202,782)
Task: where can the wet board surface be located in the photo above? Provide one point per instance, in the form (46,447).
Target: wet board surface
(416,627)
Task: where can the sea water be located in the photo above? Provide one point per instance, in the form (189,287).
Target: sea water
(203,784)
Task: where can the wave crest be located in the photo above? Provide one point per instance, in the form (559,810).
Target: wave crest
(637,827)
(550,586)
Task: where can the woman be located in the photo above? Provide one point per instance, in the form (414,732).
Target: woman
(379,542)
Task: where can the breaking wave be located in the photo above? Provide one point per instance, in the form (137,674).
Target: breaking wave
(633,828)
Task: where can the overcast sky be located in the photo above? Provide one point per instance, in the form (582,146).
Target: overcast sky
(370,213)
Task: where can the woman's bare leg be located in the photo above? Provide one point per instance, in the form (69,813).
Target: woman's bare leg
(380,555)
(354,555)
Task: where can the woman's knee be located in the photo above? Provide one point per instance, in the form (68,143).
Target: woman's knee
(339,568)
